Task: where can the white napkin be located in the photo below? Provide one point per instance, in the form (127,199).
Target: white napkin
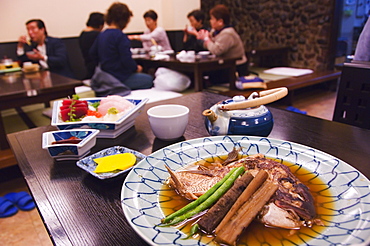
(184,56)
(161,57)
(288,71)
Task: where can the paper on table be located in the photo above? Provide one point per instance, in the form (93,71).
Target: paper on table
(289,71)
(153,94)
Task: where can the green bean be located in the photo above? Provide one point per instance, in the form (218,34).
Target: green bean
(193,230)
(199,200)
(212,199)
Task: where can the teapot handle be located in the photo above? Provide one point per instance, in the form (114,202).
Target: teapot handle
(266,97)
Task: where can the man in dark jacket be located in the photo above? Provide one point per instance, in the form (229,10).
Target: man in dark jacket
(50,53)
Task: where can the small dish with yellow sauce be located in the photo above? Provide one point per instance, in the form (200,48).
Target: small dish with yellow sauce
(110,162)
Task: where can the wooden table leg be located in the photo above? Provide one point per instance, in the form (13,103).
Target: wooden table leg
(3,141)
(198,79)
(232,78)
(25,118)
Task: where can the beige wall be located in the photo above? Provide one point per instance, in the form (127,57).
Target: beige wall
(66,18)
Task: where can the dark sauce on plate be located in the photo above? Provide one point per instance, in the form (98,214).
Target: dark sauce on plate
(257,233)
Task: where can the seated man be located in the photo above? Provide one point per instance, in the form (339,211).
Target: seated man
(50,53)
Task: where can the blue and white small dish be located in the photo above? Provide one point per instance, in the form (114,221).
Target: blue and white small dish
(88,164)
(69,151)
(108,129)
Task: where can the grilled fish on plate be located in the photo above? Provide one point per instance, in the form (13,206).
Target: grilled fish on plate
(291,207)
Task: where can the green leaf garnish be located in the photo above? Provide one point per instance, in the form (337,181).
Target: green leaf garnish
(95,104)
(75,97)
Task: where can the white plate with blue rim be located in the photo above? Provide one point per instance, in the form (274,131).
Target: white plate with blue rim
(108,129)
(345,210)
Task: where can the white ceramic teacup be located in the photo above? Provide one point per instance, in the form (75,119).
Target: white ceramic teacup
(169,121)
(26,64)
(204,54)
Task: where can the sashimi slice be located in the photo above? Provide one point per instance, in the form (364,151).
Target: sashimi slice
(65,114)
(69,101)
(74,105)
(120,103)
(73,111)
(79,111)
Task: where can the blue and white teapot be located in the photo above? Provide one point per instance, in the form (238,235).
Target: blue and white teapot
(241,116)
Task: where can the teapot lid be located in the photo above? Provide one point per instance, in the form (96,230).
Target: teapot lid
(254,100)
(235,99)
(244,112)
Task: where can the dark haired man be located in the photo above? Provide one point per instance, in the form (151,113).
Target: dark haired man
(50,53)
(94,25)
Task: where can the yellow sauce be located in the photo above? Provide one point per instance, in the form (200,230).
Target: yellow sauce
(257,233)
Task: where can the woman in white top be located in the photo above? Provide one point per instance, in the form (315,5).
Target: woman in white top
(154,35)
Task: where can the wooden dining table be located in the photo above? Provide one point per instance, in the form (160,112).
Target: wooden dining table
(20,89)
(197,67)
(79,209)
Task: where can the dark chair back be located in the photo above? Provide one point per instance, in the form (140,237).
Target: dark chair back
(75,58)
(268,58)
(353,98)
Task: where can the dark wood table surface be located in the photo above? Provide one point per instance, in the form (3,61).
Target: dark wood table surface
(79,209)
(197,67)
(20,89)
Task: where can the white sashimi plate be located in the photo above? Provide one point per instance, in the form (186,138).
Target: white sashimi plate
(348,225)
(108,129)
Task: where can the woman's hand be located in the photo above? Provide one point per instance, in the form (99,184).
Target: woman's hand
(134,37)
(189,30)
(193,32)
(139,69)
(203,34)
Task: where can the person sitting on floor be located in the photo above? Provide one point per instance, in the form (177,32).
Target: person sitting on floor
(223,41)
(196,19)
(154,35)
(50,53)
(111,50)
(94,25)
